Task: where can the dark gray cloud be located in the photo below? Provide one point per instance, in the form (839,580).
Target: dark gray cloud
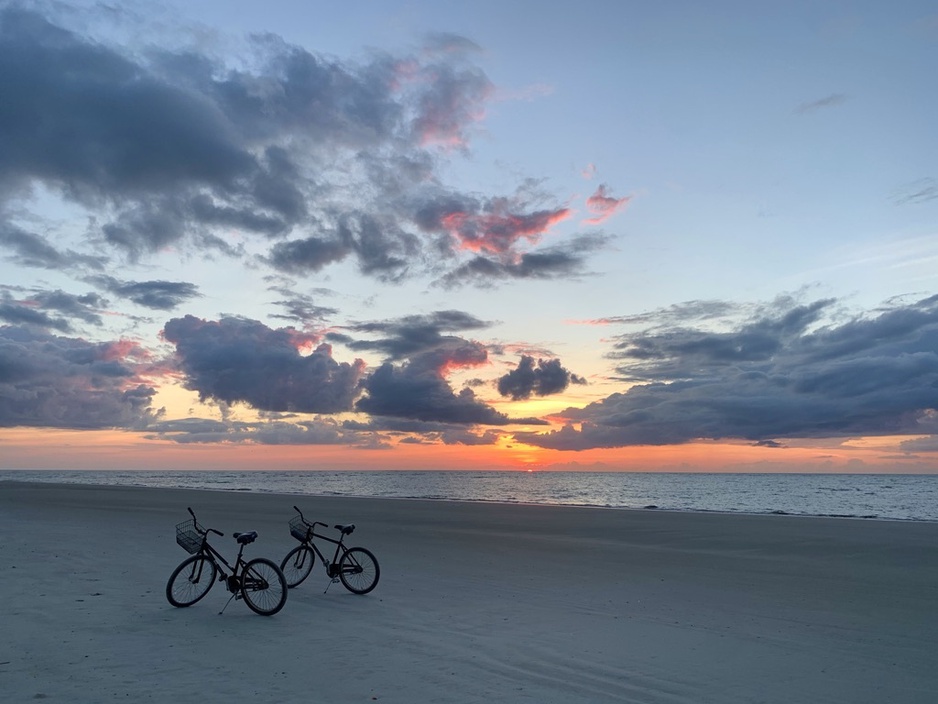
(320,431)
(17,314)
(559,261)
(677,314)
(37,307)
(236,360)
(30,249)
(466,437)
(158,295)
(544,378)
(328,159)
(419,390)
(787,374)
(85,307)
(301,307)
(382,248)
(61,382)
(413,334)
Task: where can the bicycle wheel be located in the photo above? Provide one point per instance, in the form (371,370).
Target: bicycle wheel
(263,587)
(297,565)
(358,570)
(191,581)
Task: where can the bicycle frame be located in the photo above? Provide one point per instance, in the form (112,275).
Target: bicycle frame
(340,549)
(232,578)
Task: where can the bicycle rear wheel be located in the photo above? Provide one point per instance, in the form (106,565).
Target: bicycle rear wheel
(190,581)
(359,571)
(297,565)
(263,587)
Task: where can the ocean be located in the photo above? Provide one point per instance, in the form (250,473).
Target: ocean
(906,497)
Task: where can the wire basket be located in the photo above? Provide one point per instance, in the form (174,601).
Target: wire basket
(299,529)
(188,537)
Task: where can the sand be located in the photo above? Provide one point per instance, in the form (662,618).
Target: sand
(476,603)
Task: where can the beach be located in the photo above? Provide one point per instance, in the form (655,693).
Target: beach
(477,602)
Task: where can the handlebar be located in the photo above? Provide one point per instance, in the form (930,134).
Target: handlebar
(314,523)
(200,529)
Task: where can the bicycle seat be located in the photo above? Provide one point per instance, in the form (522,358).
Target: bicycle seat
(245,538)
(346,530)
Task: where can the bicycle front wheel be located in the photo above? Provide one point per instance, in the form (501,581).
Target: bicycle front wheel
(191,581)
(297,565)
(263,587)
(358,570)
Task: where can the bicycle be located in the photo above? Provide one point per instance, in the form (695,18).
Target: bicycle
(259,582)
(356,568)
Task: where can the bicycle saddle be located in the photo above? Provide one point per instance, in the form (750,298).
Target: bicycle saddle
(245,538)
(346,530)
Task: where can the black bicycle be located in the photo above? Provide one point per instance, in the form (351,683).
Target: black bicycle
(259,582)
(356,568)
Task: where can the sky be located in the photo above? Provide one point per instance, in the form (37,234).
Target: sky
(602,235)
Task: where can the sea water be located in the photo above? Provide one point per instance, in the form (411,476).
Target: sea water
(872,496)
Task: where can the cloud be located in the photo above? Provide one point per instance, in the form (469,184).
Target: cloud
(546,378)
(920,191)
(62,382)
(787,373)
(236,360)
(32,250)
(465,437)
(315,159)
(560,261)
(426,432)
(32,309)
(18,314)
(320,431)
(415,334)
(382,248)
(453,100)
(829,101)
(300,307)
(491,226)
(158,295)
(418,390)
(678,313)
(604,206)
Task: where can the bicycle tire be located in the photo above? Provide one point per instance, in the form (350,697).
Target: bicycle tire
(263,586)
(359,571)
(191,581)
(297,565)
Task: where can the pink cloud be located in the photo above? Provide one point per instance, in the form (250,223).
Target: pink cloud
(496,232)
(603,206)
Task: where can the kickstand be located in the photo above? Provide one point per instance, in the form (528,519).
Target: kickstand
(226,604)
(331,582)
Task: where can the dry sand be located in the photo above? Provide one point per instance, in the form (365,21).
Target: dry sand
(476,603)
